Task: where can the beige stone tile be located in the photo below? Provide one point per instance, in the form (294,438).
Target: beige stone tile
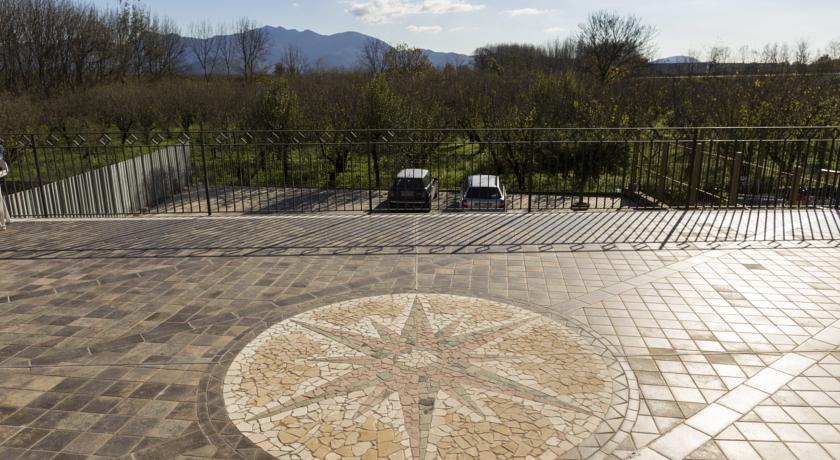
(741,450)
(772,450)
(743,398)
(679,442)
(769,380)
(793,364)
(755,431)
(822,433)
(713,419)
(790,432)
(831,414)
(808,451)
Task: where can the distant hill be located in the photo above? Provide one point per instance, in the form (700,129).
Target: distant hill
(677,60)
(339,51)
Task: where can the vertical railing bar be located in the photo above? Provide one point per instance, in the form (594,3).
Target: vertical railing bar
(369,178)
(206,176)
(43,196)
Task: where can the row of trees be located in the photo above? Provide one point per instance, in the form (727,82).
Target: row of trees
(464,98)
(70,67)
(49,46)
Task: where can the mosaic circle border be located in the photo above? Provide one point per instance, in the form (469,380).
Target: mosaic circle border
(216,425)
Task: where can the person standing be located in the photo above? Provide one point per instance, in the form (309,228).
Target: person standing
(4,171)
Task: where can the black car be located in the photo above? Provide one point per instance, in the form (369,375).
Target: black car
(413,189)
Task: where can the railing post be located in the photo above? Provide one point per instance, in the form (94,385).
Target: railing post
(41,191)
(696,166)
(206,178)
(794,188)
(837,190)
(530,171)
(664,154)
(735,179)
(370,178)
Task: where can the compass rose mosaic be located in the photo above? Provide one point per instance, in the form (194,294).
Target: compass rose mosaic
(418,376)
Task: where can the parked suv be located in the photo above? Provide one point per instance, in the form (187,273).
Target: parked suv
(413,189)
(483,192)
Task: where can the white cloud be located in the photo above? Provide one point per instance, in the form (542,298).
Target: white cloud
(457,29)
(379,11)
(425,29)
(526,12)
(555,30)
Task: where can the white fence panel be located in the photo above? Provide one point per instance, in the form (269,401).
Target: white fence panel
(129,187)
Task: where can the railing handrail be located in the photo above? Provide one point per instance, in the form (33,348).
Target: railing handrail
(442,129)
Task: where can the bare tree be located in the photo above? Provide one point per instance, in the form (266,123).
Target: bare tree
(784,54)
(561,54)
(292,61)
(252,44)
(406,60)
(770,54)
(372,55)
(803,55)
(717,55)
(227,48)
(163,48)
(745,54)
(205,47)
(611,46)
(834,49)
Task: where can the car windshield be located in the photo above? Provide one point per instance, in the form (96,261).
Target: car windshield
(408,183)
(484,193)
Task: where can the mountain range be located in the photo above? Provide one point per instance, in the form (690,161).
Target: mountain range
(339,50)
(677,60)
(342,50)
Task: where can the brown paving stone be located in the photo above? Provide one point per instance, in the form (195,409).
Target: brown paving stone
(26,437)
(101,405)
(36,455)
(87,443)
(118,446)
(110,424)
(10,453)
(69,456)
(56,441)
(23,417)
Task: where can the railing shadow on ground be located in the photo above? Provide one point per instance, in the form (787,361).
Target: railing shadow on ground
(397,234)
(285,200)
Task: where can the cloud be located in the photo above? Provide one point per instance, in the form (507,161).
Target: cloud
(425,29)
(555,30)
(379,11)
(526,12)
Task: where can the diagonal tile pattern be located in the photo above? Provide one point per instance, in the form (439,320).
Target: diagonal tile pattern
(721,328)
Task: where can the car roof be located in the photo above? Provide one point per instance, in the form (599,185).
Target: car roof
(412,174)
(483,180)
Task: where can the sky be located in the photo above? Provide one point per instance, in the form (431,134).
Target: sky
(464,25)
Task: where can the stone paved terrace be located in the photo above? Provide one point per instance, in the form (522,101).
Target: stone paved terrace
(701,334)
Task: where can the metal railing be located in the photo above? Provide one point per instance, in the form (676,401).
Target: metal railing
(113,174)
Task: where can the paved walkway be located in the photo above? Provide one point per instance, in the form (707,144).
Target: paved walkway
(704,334)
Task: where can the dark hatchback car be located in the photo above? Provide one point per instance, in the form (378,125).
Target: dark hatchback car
(413,189)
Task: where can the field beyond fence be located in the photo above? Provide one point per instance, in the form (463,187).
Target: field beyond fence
(352,170)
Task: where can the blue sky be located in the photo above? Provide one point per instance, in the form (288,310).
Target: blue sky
(463,25)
